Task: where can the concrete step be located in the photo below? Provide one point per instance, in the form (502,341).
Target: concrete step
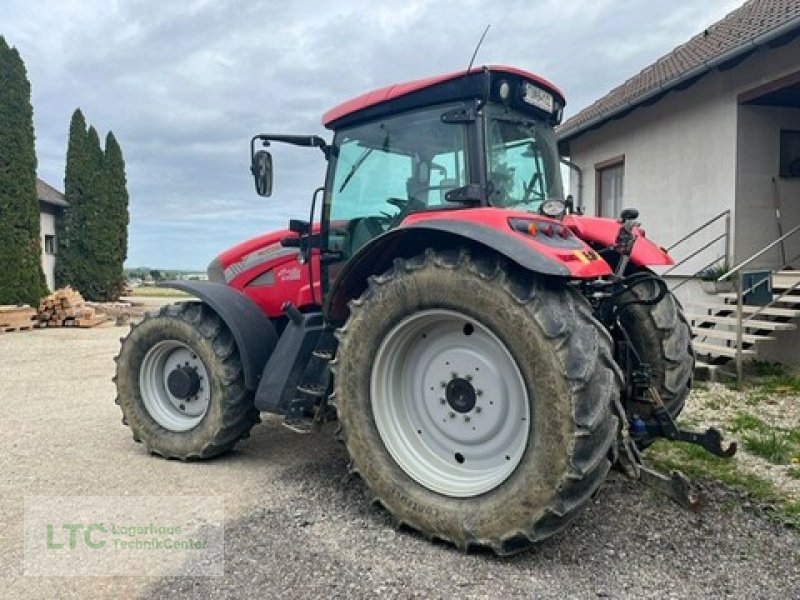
(731,296)
(704,371)
(782,280)
(754,324)
(749,309)
(723,334)
(717,350)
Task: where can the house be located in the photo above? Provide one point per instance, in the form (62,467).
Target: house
(51,208)
(708,132)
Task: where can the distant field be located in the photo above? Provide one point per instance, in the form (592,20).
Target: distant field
(159,292)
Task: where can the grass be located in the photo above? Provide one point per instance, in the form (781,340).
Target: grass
(696,462)
(147,291)
(775,445)
(773,378)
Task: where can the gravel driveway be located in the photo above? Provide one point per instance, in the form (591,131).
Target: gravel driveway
(298,526)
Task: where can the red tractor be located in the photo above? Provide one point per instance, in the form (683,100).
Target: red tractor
(489,352)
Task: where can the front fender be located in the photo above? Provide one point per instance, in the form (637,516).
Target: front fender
(252,330)
(602,231)
(413,238)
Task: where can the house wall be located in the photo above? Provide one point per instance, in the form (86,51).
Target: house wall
(757,165)
(48,227)
(681,156)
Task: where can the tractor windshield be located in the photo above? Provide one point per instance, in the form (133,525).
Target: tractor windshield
(522,160)
(387,169)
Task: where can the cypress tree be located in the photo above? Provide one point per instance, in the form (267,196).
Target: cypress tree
(21,275)
(117,190)
(70,262)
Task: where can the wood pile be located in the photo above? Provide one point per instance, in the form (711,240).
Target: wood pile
(67,308)
(18,317)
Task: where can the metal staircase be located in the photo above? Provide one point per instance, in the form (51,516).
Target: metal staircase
(723,333)
(734,325)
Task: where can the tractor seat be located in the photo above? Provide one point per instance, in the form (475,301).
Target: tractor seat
(362,231)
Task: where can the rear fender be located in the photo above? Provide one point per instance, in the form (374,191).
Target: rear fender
(253,332)
(412,239)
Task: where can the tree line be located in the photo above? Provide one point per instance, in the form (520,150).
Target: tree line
(92,234)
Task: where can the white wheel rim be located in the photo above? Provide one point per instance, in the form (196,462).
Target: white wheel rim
(428,427)
(169,411)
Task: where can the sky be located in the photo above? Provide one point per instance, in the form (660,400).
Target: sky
(184,86)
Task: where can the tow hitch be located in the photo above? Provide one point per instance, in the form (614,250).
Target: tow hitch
(676,485)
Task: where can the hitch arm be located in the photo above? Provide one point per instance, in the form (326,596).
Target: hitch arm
(710,439)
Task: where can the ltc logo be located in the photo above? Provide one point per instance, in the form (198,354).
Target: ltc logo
(72,539)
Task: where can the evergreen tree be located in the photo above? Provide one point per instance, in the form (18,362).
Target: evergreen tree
(95,236)
(70,261)
(117,190)
(21,275)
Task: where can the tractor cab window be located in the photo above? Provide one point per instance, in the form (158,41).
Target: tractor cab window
(388,169)
(522,161)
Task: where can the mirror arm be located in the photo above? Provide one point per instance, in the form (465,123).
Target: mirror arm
(310,141)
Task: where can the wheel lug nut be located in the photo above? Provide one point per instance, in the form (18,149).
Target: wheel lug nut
(466,419)
(442,401)
(452,415)
(478,409)
(479,392)
(468,377)
(453,374)
(443,384)
(183,407)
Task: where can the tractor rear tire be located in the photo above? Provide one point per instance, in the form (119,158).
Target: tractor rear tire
(662,338)
(205,425)
(543,361)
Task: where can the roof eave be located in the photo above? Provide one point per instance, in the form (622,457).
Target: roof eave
(564,136)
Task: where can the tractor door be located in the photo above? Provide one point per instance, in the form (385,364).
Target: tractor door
(382,171)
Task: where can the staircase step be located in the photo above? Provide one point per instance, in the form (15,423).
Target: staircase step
(722,334)
(716,350)
(783,280)
(749,309)
(754,324)
(786,299)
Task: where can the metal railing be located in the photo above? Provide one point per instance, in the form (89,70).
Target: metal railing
(740,293)
(725,258)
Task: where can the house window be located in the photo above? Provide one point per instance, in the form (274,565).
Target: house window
(790,153)
(609,182)
(49,244)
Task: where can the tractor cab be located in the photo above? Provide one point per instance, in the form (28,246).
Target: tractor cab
(482,138)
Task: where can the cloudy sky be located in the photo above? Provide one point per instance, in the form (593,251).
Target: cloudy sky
(185,85)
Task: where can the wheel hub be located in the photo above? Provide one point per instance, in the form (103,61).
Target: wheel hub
(460,395)
(183,382)
(174,385)
(450,403)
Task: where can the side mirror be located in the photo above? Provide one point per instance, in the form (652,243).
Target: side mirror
(262,172)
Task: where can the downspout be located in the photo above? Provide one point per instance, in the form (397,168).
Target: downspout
(579,204)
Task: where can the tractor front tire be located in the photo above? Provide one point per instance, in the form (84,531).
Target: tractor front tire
(661,337)
(191,338)
(475,399)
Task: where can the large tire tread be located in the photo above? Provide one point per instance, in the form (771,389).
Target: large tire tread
(582,346)
(237,413)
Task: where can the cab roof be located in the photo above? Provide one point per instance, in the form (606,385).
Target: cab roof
(457,85)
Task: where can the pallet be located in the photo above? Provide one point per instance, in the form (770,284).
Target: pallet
(16,317)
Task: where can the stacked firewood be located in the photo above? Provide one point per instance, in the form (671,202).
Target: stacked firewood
(67,308)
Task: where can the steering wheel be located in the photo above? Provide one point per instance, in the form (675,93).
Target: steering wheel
(406,206)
